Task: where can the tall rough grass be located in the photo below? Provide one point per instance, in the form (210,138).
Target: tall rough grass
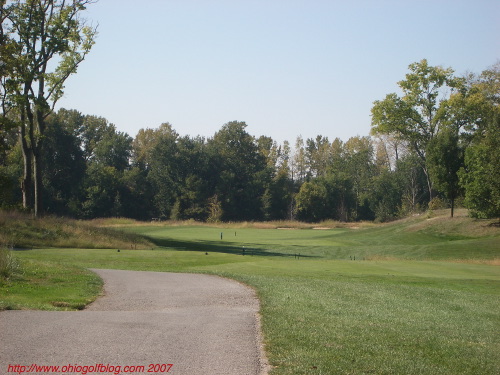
(275,224)
(8,264)
(23,231)
(461,224)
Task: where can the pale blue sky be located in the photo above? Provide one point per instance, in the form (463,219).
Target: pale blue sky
(285,67)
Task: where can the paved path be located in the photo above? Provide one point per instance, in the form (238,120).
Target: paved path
(199,323)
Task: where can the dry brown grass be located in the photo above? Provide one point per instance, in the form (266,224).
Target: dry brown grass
(381,258)
(490,262)
(288,224)
(20,230)
(277,224)
(461,224)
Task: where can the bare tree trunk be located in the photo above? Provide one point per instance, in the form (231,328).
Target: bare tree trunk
(39,124)
(38,185)
(429,183)
(26,182)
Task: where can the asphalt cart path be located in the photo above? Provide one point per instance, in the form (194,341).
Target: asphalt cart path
(145,323)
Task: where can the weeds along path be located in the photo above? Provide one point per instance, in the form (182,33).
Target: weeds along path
(200,324)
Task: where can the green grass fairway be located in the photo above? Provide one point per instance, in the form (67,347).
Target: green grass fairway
(425,299)
(397,240)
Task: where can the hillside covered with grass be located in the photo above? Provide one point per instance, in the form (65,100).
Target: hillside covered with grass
(432,236)
(18,230)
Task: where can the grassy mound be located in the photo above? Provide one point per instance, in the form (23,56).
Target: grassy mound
(440,223)
(19,230)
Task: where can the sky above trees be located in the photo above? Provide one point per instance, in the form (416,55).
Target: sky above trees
(285,67)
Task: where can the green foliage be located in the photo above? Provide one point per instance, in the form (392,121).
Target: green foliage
(412,181)
(101,191)
(164,170)
(437,203)
(317,153)
(114,149)
(278,197)
(418,115)
(481,177)
(240,172)
(328,197)
(215,212)
(311,201)
(386,197)
(65,167)
(46,42)
(136,194)
(445,157)
(359,164)
(11,170)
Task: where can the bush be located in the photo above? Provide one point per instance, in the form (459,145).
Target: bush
(437,203)
(8,264)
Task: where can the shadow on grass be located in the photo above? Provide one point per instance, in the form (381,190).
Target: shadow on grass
(217,247)
(16,248)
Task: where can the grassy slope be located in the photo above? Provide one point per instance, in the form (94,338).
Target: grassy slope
(326,314)
(22,231)
(419,238)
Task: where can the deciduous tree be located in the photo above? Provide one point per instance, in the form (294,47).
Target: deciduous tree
(48,40)
(445,157)
(417,116)
(241,171)
(480,176)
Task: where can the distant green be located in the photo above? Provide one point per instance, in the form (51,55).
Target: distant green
(394,241)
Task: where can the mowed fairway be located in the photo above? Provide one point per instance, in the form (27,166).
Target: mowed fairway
(404,306)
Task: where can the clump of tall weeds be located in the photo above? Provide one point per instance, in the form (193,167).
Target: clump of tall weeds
(8,263)
(24,231)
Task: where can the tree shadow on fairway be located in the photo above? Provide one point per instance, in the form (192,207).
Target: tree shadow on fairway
(218,247)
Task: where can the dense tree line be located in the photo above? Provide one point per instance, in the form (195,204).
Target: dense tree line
(437,143)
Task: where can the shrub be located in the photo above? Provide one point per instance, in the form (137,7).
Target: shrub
(8,263)
(437,204)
